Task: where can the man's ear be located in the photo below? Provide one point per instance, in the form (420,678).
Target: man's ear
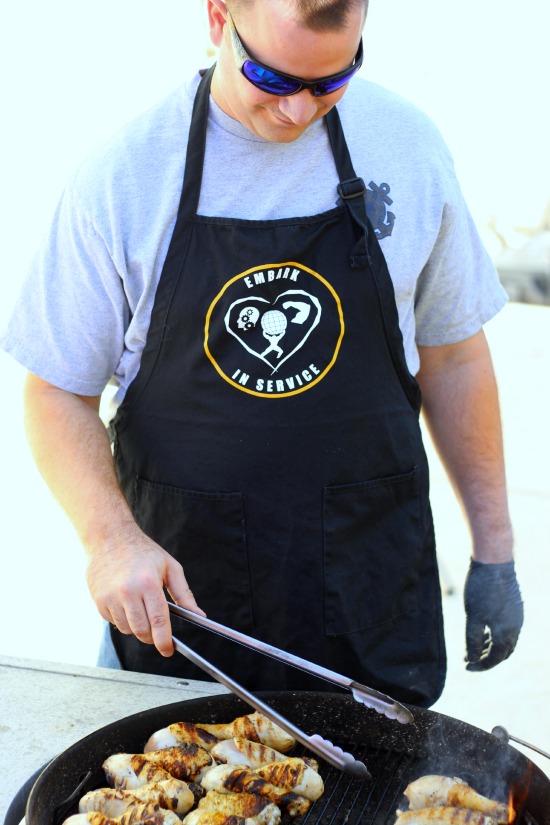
(217,17)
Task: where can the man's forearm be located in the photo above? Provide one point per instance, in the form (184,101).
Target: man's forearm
(127,571)
(461,409)
(71,448)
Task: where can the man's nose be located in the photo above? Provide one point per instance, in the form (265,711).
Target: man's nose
(299,108)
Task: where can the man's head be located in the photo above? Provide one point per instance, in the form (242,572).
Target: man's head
(306,40)
(319,15)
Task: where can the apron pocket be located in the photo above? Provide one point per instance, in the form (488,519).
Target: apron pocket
(373,541)
(206,533)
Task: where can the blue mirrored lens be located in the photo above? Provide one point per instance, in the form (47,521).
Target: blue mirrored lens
(269,81)
(328,86)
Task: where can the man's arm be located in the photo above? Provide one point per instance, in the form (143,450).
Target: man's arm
(461,408)
(126,570)
(462,412)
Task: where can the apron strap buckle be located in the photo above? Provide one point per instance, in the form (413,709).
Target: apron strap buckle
(351,188)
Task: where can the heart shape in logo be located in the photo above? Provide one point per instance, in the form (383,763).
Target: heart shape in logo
(274,331)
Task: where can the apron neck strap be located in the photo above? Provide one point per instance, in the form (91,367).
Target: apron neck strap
(194,160)
(352,189)
(340,150)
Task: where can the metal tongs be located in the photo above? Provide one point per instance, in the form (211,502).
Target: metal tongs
(322,747)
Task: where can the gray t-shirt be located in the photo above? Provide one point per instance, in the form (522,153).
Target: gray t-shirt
(83,315)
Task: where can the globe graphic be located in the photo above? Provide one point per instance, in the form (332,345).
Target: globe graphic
(274,322)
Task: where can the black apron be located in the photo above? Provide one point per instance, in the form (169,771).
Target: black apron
(270,442)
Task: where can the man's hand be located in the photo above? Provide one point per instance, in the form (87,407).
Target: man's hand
(127,584)
(494,614)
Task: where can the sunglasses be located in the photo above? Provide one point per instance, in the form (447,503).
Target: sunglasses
(284,85)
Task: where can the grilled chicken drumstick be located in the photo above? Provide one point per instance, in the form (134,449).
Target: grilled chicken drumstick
(240,751)
(245,804)
(216,818)
(186,761)
(172,794)
(435,791)
(227,779)
(180,732)
(131,770)
(254,727)
(149,814)
(444,816)
(293,775)
(257,728)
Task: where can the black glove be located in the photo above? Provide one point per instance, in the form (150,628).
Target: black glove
(494,614)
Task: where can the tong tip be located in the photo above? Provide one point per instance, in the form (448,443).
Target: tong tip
(381,703)
(346,761)
(403,715)
(356,769)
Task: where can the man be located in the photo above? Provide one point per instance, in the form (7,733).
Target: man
(263,332)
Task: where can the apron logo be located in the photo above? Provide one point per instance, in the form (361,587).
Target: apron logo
(254,321)
(269,338)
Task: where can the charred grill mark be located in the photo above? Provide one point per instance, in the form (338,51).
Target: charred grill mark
(253,805)
(155,819)
(247,730)
(95,817)
(197,790)
(181,761)
(150,813)
(137,814)
(241,780)
(146,770)
(249,749)
(293,803)
(243,804)
(193,734)
(285,775)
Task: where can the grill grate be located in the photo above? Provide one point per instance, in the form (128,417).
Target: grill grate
(374,801)
(363,802)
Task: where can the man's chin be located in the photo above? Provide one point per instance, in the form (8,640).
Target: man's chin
(276,130)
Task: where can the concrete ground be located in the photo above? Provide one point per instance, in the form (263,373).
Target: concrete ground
(47,614)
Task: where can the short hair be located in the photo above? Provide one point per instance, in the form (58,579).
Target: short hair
(319,15)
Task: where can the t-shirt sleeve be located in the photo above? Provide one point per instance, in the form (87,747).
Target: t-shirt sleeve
(69,321)
(458,290)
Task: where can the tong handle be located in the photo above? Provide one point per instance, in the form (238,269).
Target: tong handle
(322,747)
(502,734)
(368,696)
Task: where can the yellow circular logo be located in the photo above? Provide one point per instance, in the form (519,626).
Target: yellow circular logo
(274,330)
